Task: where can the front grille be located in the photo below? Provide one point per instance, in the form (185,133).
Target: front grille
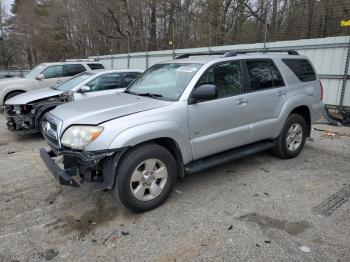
(50,133)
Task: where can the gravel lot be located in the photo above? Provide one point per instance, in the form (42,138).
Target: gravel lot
(260,208)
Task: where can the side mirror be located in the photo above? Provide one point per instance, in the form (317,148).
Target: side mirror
(204,93)
(40,77)
(84,89)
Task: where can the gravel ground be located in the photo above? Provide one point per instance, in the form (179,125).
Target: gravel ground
(260,208)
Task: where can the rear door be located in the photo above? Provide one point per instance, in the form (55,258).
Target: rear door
(223,123)
(267,95)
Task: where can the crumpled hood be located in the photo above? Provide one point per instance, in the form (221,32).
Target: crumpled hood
(95,110)
(32,96)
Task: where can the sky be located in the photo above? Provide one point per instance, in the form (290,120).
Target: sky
(8,4)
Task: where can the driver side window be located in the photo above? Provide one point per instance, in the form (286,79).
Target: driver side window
(226,76)
(106,82)
(53,72)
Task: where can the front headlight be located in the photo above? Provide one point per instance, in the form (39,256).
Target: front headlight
(77,137)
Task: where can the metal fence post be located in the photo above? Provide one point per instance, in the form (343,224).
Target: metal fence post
(345,77)
(146,56)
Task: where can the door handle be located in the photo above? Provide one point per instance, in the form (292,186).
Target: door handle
(282,93)
(242,101)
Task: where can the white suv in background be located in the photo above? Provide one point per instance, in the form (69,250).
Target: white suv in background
(45,75)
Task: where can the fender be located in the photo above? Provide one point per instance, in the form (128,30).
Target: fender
(153,130)
(10,89)
(289,106)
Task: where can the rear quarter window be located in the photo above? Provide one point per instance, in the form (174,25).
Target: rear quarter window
(96,66)
(301,68)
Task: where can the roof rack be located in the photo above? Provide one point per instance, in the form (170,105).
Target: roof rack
(199,54)
(234,53)
(238,52)
(80,60)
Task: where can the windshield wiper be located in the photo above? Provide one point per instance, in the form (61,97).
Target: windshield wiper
(130,92)
(156,96)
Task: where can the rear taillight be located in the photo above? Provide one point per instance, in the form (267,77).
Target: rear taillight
(321,89)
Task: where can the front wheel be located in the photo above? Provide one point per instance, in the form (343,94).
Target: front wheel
(145,178)
(292,138)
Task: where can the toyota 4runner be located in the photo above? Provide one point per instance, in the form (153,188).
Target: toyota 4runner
(181,117)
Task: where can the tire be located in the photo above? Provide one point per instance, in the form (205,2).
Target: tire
(12,95)
(139,187)
(292,138)
(40,123)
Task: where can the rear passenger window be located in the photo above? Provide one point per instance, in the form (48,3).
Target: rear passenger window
(96,66)
(74,69)
(301,68)
(263,74)
(226,76)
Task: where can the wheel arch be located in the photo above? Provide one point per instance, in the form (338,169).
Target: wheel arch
(160,132)
(297,105)
(304,111)
(7,94)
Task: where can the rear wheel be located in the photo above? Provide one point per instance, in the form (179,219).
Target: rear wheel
(145,178)
(292,138)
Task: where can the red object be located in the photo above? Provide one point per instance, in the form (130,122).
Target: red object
(321,86)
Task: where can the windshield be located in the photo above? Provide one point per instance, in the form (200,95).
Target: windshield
(32,74)
(164,81)
(73,82)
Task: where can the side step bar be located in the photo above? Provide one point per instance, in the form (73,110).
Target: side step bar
(227,156)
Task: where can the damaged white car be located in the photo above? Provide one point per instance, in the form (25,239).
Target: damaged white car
(25,112)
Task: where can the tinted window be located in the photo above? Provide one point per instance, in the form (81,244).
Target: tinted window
(129,77)
(105,82)
(227,77)
(72,70)
(53,71)
(263,74)
(96,66)
(301,68)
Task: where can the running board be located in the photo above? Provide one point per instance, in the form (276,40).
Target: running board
(227,156)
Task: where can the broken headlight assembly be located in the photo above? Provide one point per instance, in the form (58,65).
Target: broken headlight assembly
(77,137)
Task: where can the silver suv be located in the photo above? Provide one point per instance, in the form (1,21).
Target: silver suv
(181,117)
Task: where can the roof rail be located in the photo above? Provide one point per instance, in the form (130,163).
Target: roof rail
(80,60)
(238,52)
(199,54)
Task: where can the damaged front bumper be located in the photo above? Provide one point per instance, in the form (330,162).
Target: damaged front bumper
(21,119)
(98,167)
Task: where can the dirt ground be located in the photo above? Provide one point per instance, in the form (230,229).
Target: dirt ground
(260,208)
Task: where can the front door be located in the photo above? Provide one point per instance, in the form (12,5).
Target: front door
(103,85)
(223,123)
(53,75)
